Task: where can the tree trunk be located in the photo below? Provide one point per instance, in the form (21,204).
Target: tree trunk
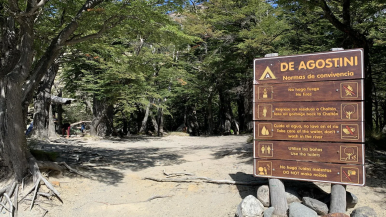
(12,128)
(241,111)
(155,124)
(210,115)
(144,121)
(160,122)
(42,104)
(51,124)
(98,123)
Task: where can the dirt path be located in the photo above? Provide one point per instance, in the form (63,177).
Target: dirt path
(118,188)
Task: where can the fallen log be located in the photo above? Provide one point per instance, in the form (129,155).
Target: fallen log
(206,180)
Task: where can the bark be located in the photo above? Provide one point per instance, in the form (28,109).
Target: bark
(43,103)
(241,111)
(14,142)
(210,115)
(101,125)
(144,121)
(155,124)
(160,129)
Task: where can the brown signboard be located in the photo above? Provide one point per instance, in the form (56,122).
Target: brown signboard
(351,153)
(327,66)
(309,111)
(310,131)
(310,171)
(346,90)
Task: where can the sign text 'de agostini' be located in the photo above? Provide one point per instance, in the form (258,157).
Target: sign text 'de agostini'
(349,153)
(310,131)
(347,90)
(338,65)
(309,111)
(310,171)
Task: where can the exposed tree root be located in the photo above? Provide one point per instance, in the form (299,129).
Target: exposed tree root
(12,190)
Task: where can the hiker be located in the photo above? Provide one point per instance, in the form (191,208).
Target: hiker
(66,127)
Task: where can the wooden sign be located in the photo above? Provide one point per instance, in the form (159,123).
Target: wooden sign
(351,153)
(302,104)
(311,171)
(327,66)
(309,111)
(310,131)
(346,90)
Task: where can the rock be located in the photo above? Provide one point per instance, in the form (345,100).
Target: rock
(269,212)
(263,195)
(299,210)
(364,211)
(250,207)
(351,200)
(292,196)
(336,215)
(384,130)
(316,205)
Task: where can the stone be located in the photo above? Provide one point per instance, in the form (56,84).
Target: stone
(299,210)
(263,195)
(250,207)
(292,196)
(316,205)
(351,200)
(269,212)
(364,211)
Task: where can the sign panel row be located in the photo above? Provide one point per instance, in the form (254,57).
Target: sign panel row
(309,111)
(341,65)
(310,131)
(310,171)
(351,153)
(346,90)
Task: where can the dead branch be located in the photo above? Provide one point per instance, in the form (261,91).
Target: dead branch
(73,170)
(45,211)
(177,174)
(156,197)
(3,205)
(206,180)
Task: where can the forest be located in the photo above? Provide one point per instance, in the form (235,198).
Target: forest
(157,66)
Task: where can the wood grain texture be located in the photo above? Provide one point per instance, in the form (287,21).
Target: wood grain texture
(277,197)
(338,199)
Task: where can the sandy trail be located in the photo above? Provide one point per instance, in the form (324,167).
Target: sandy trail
(118,188)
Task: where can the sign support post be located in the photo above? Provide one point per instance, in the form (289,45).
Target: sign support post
(338,203)
(276,188)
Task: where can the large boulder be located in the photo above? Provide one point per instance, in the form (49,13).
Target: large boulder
(263,195)
(250,207)
(351,200)
(292,196)
(364,211)
(316,205)
(299,210)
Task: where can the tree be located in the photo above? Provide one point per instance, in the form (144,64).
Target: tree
(355,20)
(34,34)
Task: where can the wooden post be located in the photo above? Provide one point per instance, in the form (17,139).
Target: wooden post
(276,186)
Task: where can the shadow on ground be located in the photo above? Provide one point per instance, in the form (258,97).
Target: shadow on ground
(105,164)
